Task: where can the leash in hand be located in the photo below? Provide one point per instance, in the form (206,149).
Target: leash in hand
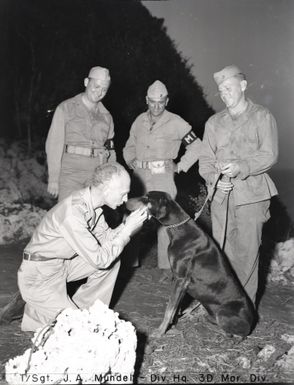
(210,196)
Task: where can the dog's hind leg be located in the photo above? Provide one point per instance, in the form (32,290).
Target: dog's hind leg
(178,291)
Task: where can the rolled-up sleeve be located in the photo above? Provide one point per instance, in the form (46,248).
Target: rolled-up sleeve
(191,154)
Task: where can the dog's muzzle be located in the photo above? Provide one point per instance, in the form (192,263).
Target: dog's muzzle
(136,203)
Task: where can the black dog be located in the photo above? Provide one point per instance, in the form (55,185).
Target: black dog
(199,268)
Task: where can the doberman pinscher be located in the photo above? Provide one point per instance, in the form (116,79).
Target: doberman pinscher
(199,268)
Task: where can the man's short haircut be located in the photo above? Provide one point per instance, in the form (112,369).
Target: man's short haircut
(105,172)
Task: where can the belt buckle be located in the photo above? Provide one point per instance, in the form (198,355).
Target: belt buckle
(157,167)
(157,163)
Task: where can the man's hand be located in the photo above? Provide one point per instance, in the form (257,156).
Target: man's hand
(230,169)
(225,187)
(53,189)
(135,220)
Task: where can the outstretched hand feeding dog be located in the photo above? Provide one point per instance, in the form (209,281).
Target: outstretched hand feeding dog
(199,268)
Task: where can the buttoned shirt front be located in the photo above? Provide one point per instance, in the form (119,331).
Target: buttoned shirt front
(74,227)
(249,139)
(74,124)
(161,140)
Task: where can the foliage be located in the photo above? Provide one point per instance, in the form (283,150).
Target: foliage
(18,221)
(52,45)
(23,178)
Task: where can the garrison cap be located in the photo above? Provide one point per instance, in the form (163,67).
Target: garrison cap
(99,73)
(226,73)
(157,90)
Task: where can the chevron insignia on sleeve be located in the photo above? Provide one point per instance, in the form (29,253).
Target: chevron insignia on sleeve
(189,138)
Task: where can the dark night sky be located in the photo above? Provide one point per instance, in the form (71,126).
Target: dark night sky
(257,35)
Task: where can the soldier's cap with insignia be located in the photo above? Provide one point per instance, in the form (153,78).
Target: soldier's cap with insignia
(100,73)
(226,73)
(157,91)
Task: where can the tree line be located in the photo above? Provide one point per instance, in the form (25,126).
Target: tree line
(49,46)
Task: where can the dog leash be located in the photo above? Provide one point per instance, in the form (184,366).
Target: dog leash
(224,232)
(210,196)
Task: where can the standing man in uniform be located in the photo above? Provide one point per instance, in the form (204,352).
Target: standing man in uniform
(73,242)
(80,137)
(154,142)
(240,143)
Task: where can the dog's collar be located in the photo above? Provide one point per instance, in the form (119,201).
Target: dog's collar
(177,224)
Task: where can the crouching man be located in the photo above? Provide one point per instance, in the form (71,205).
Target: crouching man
(73,242)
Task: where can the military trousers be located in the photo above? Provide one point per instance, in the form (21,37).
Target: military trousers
(42,285)
(242,238)
(76,171)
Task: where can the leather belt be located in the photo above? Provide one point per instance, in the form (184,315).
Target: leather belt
(149,164)
(85,151)
(34,257)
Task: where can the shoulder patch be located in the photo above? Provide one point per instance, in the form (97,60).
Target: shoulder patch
(189,138)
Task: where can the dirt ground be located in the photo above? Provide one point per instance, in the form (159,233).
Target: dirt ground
(192,351)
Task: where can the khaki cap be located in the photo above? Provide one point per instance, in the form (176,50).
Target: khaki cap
(157,90)
(99,73)
(226,73)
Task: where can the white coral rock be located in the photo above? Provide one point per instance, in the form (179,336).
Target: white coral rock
(282,264)
(284,254)
(266,352)
(287,360)
(90,346)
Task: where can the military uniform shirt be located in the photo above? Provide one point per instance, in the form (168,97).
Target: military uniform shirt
(73,227)
(75,125)
(251,140)
(160,141)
